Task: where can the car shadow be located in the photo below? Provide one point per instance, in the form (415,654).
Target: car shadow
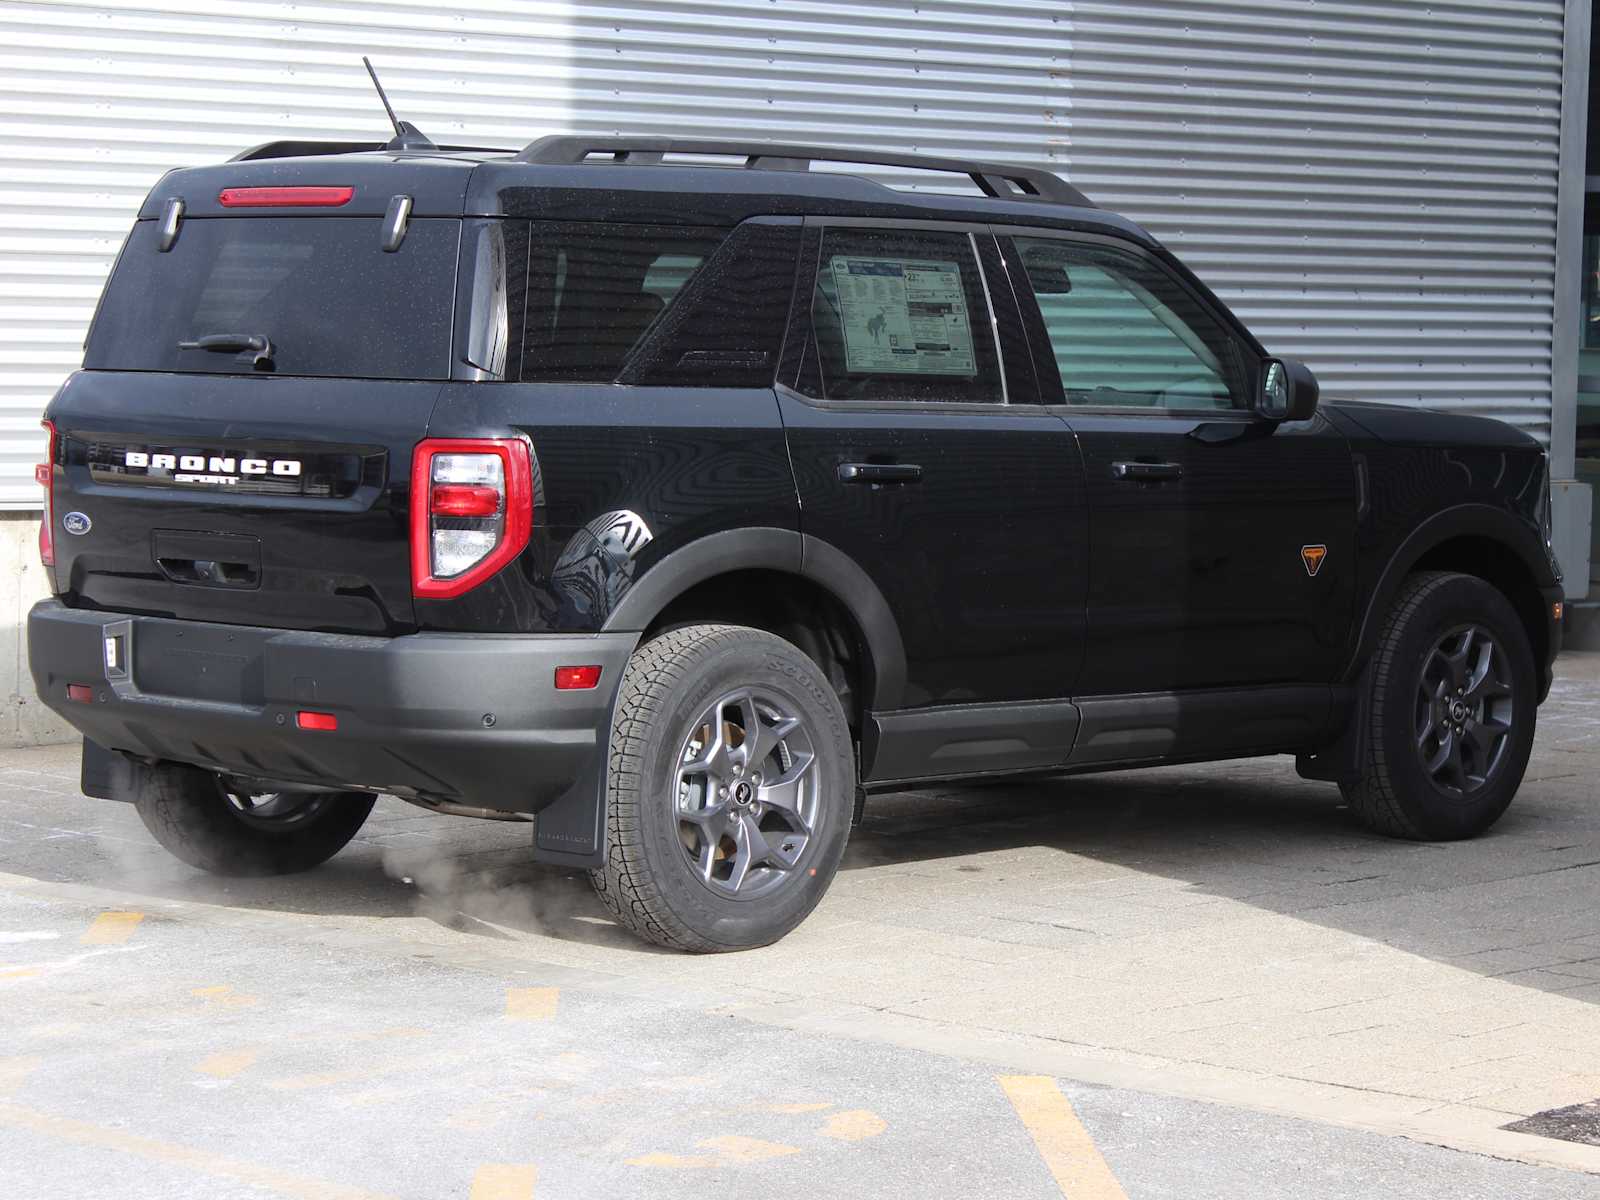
(1250,832)
(1516,903)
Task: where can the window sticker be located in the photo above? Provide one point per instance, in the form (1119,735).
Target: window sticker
(903,315)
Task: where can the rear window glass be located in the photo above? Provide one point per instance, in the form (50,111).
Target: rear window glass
(594,290)
(320,290)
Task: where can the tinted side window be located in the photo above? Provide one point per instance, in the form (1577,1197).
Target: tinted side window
(595,289)
(1124,332)
(900,314)
(726,327)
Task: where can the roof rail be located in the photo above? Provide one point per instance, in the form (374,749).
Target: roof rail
(993,179)
(306,149)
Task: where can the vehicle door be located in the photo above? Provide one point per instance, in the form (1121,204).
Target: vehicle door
(913,456)
(1222,545)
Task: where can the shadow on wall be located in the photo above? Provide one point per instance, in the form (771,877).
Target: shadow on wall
(26,721)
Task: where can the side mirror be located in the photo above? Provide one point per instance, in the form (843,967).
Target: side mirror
(1289,391)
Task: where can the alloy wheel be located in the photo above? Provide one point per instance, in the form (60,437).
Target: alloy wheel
(274,812)
(746,794)
(1465,710)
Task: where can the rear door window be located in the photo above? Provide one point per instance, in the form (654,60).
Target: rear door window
(900,314)
(321,290)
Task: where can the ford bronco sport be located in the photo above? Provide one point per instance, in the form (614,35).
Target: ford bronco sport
(675,497)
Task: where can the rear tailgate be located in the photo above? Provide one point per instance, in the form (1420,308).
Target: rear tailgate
(192,510)
(232,486)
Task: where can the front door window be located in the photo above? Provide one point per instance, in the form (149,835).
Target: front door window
(1125,334)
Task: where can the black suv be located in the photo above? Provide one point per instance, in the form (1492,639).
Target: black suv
(674,497)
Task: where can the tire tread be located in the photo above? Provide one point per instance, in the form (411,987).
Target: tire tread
(1375,799)
(658,670)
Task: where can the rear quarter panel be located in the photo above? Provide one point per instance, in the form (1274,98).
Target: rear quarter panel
(622,477)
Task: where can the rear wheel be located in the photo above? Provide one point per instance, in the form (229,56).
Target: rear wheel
(220,828)
(729,793)
(1451,714)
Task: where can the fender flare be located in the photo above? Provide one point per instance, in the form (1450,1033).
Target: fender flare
(784,550)
(571,831)
(1464,520)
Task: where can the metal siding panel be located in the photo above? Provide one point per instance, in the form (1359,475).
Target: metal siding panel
(1371,184)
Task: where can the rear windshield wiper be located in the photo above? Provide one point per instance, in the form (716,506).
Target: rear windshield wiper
(234,343)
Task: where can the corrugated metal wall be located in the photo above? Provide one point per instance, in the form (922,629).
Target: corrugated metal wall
(1372,184)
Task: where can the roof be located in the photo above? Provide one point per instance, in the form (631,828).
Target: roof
(642,180)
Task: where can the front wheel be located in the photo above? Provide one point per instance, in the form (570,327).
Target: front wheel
(218,828)
(1451,713)
(729,791)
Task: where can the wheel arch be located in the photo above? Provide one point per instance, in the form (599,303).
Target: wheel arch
(736,575)
(1474,540)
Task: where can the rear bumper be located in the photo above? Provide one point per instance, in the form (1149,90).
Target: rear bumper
(469,718)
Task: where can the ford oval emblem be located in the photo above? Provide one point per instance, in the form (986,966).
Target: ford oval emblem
(76,522)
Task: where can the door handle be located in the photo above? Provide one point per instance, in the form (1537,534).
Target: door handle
(1146,472)
(880,473)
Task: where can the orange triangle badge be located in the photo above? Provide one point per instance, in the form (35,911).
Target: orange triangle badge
(1312,556)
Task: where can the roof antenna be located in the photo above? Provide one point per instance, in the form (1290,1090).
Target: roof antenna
(406,135)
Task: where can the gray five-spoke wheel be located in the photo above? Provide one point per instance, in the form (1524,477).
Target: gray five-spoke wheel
(1464,710)
(747,793)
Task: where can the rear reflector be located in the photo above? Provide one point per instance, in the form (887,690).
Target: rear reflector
(81,692)
(316,720)
(284,197)
(569,679)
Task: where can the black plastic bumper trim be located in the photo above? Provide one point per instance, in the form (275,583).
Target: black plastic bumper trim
(471,718)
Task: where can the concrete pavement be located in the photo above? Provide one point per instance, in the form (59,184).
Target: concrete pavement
(1232,990)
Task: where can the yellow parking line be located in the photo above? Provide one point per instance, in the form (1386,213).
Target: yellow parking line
(857,1125)
(531,1004)
(224,995)
(504,1181)
(228,1063)
(12,1071)
(85,1133)
(729,1150)
(111,928)
(412,1064)
(1065,1145)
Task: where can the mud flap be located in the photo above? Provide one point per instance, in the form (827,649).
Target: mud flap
(571,832)
(1343,759)
(100,771)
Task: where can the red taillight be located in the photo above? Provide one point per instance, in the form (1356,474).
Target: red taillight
(284,197)
(316,720)
(464,500)
(471,511)
(570,679)
(80,692)
(45,474)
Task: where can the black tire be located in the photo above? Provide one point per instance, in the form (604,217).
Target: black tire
(665,878)
(1398,795)
(192,815)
